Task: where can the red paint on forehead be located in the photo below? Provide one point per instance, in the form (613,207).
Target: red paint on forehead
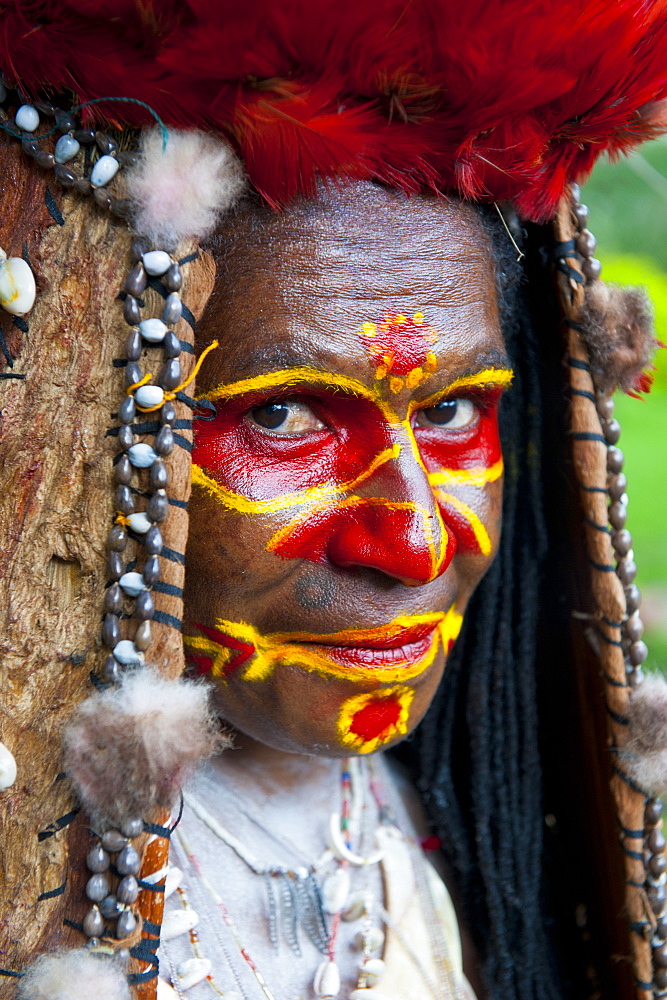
(400,343)
(378,717)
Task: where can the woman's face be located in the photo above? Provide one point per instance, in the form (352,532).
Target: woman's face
(347,492)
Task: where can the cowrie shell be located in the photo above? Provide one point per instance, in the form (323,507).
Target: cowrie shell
(191,972)
(326,984)
(17,285)
(7,767)
(178,922)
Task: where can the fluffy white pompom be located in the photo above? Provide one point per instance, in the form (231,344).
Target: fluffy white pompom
(645,753)
(180,191)
(71,975)
(129,749)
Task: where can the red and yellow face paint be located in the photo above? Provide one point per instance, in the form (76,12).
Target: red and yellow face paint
(372,487)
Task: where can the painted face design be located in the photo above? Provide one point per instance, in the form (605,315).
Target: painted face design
(350,476)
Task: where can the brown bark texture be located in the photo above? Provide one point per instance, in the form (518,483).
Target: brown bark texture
(56,508)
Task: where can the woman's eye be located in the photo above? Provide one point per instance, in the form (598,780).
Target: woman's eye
(288,417)
(450,413)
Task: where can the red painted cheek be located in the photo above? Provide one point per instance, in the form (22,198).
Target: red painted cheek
(401,542)
(376,719)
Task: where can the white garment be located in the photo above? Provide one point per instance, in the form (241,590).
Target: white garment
(422,944)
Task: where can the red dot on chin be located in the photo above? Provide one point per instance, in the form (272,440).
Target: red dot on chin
(375,718)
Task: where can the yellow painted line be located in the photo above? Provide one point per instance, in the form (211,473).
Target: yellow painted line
(478,476)
(480,532)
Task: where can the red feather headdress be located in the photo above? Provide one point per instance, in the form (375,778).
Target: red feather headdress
(487,99)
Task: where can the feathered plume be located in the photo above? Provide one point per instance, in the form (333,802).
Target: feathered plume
(71,975)
(129,749)
(645,753)
(489,99)
(181,187)
(617,325)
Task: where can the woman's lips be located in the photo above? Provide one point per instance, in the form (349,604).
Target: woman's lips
(407,647)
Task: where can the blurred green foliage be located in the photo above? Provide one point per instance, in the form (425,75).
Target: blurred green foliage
(628,214)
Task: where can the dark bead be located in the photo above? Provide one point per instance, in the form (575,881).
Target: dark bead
(83,185)
(116,565)
(661,928)
(93,923)
(127,158)
(168,413)
(85,136)
(64,175)
(586,243)
(615,459)
(656,897)
(612,431)
(173,309)
(633,598)
(97,859)
(151,572)
(127,410)
(169,376)
(126,925)
(133,374)
(159,475)
(635,677)
(173,279)
(164,441)
(617,486)
(618,514)
(592,268)
(114,841)
(136,281)
(660,979)
(171,346)
(653,811)
(97,887)
(105,143)
(605,405)
(44,159)
(112,672)
(124,500)
(158,507)
(143,636)
(30,146)
(139,248)
(128,888)
(144,608)
(133,345)
(581,212)
(657,865)
(65,123)
(122,208)
(626,571)
(117,539)
(113,599)
(622,541)
(128,861)
(123,470)
(660,957)
(111,631)
(132,828)
(634,627)
(126,440)
(102,198)
(655,841)
(575,194)
(110,908)
(153,542)
(638,652)
(131,311)
(45,108)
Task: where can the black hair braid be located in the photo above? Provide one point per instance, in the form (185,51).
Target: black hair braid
(477,749)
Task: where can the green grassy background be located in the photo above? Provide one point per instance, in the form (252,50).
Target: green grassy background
(628,215)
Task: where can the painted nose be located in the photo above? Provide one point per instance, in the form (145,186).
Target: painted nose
(401,540)
(397,531)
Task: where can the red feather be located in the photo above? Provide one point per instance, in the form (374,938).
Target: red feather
(487,99)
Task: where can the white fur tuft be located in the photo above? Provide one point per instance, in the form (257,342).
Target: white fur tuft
(129,749)
(181,191)
(71,975)
(644,755)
